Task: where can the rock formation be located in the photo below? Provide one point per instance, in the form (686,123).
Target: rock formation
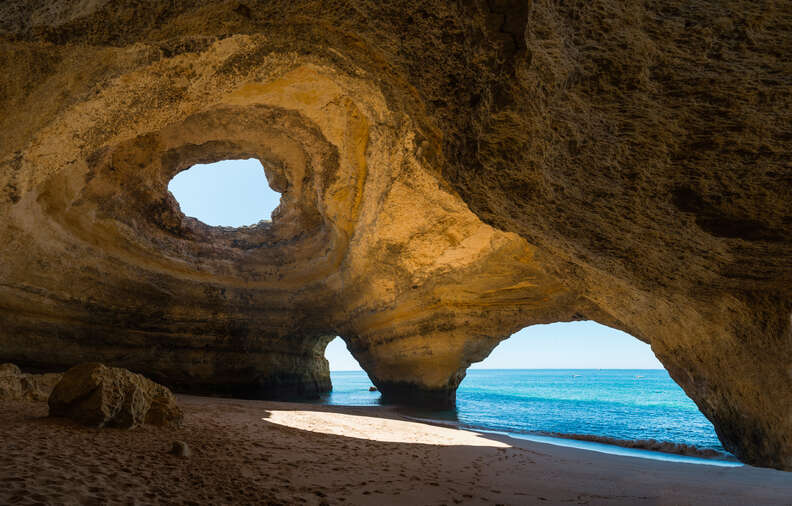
(450,174)
(17,386)
(100,396)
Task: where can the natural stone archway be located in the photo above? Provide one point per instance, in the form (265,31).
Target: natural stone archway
(450,174)
(366,242)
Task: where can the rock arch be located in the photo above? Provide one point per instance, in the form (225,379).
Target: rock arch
(450,174)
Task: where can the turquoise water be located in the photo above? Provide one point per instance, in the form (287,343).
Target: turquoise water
(621,404)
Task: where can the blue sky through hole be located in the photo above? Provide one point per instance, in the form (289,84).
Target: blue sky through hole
(236,193)
(231,193)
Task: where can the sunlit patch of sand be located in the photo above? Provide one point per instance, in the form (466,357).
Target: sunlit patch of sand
(379,429)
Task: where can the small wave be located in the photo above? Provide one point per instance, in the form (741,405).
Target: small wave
(636,444)
(648,444)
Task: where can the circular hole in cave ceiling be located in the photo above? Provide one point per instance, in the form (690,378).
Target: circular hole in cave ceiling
(230,193)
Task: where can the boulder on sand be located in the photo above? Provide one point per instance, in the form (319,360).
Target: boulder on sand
(99,396)
(18,386)
(180,449)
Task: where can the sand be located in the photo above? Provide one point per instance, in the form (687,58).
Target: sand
(255,452)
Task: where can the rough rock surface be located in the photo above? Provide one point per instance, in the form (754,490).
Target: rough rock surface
(18,386)
(99,396)
(450,172)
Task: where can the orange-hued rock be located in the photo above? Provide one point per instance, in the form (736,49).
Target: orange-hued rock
(99,396)
(450,173)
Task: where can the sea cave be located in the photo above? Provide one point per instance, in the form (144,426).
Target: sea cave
(442,176)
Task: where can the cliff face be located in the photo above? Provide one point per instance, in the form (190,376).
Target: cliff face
(450,174)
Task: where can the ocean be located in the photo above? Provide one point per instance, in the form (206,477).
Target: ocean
(602,405)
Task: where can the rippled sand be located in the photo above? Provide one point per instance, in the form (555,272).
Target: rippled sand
(254,452)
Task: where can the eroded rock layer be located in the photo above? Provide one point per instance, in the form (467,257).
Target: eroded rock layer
(449,175)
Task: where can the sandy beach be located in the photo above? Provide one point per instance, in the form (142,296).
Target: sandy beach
(256,452)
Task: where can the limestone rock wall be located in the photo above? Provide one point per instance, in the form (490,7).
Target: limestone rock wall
(450,173)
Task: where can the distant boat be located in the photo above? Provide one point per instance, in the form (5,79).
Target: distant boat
(638,376)
(576,375)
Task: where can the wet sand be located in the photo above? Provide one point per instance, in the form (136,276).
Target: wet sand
(256,452)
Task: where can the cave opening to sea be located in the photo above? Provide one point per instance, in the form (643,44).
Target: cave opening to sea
(588,383)
(228,193)
(584,382)
(351,384)
(578,383)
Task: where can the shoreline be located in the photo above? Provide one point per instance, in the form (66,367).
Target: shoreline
(261,452)
(623,450)
(640,448)
(614,420)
